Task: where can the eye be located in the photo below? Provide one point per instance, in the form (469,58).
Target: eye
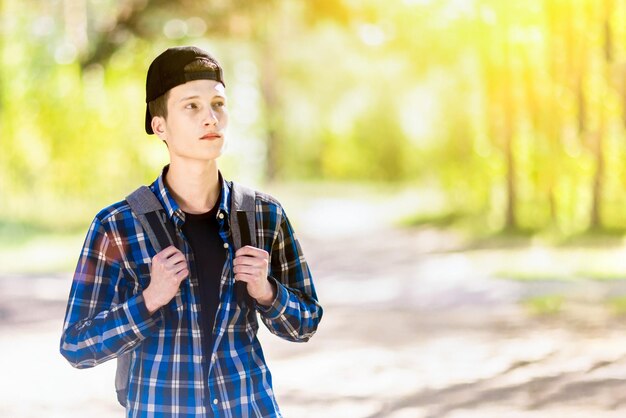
(191,106)
(219,104)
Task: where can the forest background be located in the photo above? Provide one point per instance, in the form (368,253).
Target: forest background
(510,114)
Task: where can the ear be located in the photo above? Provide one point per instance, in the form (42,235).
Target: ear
(158,126)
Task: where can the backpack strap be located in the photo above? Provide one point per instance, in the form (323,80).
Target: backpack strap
(153,218)
(122,373)
(243,230)
(160,231)
(243,215)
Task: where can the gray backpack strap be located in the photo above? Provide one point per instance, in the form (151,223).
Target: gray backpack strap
(149,211)
(160,231)
(243,230)
(243,216)
(122,373)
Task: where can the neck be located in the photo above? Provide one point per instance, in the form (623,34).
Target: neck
(193,184)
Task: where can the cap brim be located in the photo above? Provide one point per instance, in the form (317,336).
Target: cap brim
(149,130)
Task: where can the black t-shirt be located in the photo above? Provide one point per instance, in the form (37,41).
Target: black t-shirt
(202,233)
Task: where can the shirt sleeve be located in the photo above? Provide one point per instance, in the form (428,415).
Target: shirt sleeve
(295,312)
(97,327)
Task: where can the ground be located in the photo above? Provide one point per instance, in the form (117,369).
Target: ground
(414,326)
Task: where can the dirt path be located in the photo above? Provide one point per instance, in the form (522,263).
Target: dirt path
(411,328)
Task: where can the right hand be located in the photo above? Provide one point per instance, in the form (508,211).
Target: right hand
(169,269)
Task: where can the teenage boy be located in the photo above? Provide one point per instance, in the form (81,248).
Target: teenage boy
(192,343)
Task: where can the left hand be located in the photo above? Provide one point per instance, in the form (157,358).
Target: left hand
(251,266)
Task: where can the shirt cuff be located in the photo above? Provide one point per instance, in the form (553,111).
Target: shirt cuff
(279,305)
(140,320)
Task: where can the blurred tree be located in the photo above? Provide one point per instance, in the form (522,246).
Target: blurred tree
(514,110)
(262,23)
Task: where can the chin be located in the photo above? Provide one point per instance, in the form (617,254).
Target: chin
(207,155)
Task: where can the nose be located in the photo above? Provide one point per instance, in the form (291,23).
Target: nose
(210,119)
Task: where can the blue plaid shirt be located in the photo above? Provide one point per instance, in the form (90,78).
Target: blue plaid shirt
(107,316)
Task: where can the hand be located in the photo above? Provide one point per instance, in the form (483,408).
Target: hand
(169,269)
(250,266)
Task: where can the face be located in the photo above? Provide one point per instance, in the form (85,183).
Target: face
(196,121)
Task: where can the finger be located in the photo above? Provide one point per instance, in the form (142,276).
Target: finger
(246,278)
(252,270)
(241,259)
(246,260)
(178,267)
(182,274)
(176,253)
(167,252)
(249,250)
(176,259)
(250,260)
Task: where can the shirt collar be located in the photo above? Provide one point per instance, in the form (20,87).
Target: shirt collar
(173,210)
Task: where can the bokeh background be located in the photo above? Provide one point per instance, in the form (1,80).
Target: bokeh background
(454,170)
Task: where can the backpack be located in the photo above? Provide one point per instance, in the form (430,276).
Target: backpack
(160,231)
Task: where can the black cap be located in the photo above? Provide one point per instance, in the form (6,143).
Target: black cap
(168,71)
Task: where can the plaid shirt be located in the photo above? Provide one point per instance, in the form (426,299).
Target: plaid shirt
(107,316)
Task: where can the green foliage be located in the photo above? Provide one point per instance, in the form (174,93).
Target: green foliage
(532,276)
(438,220)
(545,305)
(617,305)
(515,110)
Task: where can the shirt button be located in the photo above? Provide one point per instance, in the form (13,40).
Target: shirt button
(221,215)
(225,245)
(215,401)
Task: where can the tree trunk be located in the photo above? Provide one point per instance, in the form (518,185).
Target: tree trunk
(581,105)
(270,38)
(598,137)
(598,179)
(511,215)
(511,221)
(268,91)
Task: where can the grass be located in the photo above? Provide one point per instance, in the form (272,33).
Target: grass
(553,305)
(593,237)
(17,233)
(529,255)
(545,305)
(533,276)
(437,220)
(38,247)
(617,305)
(40,252)
(602,275)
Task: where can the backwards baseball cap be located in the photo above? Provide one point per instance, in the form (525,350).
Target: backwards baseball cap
(168,71)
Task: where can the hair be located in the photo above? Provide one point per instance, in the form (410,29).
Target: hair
(158,106)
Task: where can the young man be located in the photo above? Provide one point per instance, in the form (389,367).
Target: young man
(194,350)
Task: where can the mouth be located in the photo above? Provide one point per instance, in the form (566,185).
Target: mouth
(211,136)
